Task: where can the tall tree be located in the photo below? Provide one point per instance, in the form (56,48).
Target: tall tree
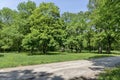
(75,27)
(7,16)
(105,21)
(46,19)
(25,10)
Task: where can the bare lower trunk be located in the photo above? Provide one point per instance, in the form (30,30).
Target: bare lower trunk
(109,46)
(44,48)
(78,50)
(100,49)
(31,50)
(109,49)
(44,51)
(19,49)
(89,46)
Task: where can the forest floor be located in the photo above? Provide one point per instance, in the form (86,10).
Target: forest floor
(70,70)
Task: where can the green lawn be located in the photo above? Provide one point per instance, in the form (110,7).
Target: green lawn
(112,74)
(22,59)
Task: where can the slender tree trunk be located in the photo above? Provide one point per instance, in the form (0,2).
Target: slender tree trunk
(89,46)
(31,50)
(63,49)
(80,50)
(44,48)
(18,46)
(109,46)
(99,49)
(71,48)
(19,49)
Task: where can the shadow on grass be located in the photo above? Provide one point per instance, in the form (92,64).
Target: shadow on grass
(1,55)
(28,75)
(100,56)
(100,63)
(49,53)
(109,62)
(116,53)
(82,78)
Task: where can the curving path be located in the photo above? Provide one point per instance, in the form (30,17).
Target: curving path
(71,70)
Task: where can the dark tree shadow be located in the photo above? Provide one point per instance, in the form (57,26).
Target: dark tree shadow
(28,75)
(106,62)
(1,55)
(82,78)
(117,53)
(49,53)
(99,65)
(100,56)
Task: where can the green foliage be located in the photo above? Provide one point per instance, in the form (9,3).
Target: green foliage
(7,16)
(75,28)
(10,37)
(103,18)
(31,41)
(44,29)
(26,8)
(46,20)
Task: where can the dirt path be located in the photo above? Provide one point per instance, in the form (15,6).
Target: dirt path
(70,70)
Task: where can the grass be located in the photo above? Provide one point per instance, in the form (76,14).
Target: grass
(113,74)
(22,59)
(116,52)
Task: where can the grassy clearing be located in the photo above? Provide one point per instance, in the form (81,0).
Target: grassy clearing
(113,74)
(22,59)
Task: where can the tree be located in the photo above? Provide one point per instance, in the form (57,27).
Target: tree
(7,16)
(46,19)
(26,8)
(30,42)
(1,26)
(10,37)
(105,21)
(75,27)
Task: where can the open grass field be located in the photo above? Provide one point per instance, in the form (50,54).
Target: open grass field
(22,59)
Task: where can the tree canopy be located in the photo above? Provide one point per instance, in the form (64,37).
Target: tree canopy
(42,28)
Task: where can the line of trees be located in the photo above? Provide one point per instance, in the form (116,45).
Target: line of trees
(43,28)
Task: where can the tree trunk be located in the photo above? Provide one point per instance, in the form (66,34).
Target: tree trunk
(19,49)
(44,50)
(99,49)
(89,46)
(78,50)
(109,46)
(71,48)
(31,50)
(18,46)
(62,49)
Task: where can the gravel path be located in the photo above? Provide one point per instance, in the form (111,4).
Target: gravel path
(71,70)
